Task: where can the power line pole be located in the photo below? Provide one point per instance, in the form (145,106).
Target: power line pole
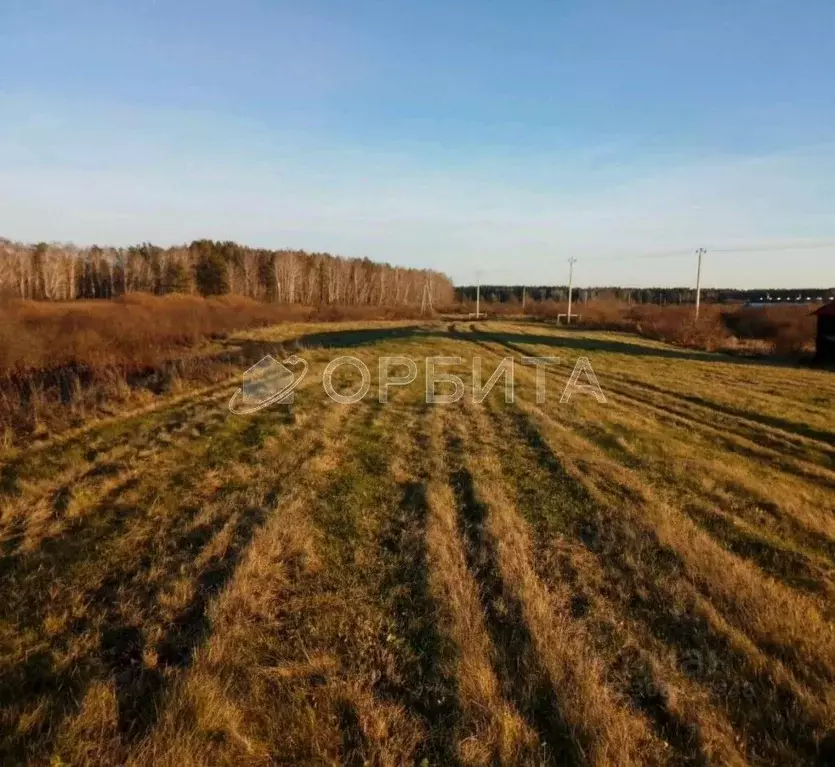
(699,253)
(571,262)
(478,295)
(427,297)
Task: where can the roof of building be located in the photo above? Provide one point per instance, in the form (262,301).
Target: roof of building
(827,310)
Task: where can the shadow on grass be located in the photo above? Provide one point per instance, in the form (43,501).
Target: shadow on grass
(29,576)
(121,654)
(247,351)
(640,578)
(428,690)
(584,345)
(521,674)
(580,343)
(355,746)
(139,689)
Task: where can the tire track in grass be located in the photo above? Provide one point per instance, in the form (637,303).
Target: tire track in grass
(763,442)
(642,574)
(791,432)
(44,511)
(646,375)
(781,441)
(789,545)
(795,632)
(224,708)
(523,680)
(798,569)
(395,642)
(760,446)
(36,469)
(792,544)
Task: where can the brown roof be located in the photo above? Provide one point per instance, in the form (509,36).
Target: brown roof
(827,310)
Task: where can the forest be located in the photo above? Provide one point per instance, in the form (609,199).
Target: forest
(65,272)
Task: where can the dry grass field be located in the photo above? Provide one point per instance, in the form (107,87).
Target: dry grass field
(646,581)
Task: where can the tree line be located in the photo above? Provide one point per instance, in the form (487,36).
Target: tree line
(65,272)
(658,296)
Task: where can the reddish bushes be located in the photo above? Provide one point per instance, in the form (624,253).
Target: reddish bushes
(781,330)
(789,329)
(131,332)
(138,330)
(59,362)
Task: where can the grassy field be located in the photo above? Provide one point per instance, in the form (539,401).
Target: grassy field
(650,580)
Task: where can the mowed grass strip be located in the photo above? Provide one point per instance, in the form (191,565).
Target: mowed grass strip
(491,728)
(559,678)
(594,503)
(122,588)
(610,479)
(44,486)
(791,539)
(331,671)
(774,520)
(784,622)
(573,544)
(237,703)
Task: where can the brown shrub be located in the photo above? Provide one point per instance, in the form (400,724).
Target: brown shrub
(784,330)
(790,329)
(61,361)
(139,330)
(545,309)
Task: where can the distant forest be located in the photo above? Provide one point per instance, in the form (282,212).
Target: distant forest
(65,272)
(658,296)
(58,272)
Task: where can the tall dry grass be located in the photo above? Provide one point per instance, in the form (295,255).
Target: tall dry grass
(140,330)
(61,362)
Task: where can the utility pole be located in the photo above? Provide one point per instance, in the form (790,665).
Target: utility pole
(478,295)
(571,262)
(427,298)
(699,253)
(524,292)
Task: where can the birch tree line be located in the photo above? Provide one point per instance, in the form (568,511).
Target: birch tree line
(65,272)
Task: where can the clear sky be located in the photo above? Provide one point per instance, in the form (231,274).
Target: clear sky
(472,136)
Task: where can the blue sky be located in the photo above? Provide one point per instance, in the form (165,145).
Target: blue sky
(491,138)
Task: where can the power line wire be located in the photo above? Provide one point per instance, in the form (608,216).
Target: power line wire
(776,248)
(741,250)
